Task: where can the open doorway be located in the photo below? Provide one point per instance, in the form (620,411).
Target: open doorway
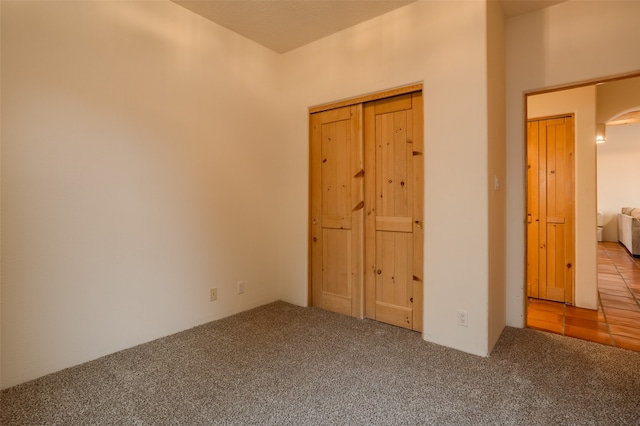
(606,303)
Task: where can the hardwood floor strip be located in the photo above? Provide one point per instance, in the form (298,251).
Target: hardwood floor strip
(616,322)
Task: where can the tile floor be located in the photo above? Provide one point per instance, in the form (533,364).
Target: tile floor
(617,320)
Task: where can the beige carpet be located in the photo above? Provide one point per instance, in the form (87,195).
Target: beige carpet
(285,365)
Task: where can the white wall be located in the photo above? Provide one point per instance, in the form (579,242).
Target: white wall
(138,171)
(582,103)
(496,171)
(566,43)
(443,45)
(618,174)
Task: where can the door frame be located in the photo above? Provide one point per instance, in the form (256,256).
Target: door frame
(329,106)
(416,87)
(523,127)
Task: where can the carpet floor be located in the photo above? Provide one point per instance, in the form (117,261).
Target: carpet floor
(285,365)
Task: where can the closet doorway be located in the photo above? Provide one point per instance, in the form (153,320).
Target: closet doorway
(366,207)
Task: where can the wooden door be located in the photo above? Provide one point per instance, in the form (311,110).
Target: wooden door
(385,179)
(550,209)
(394,208)
(336,229)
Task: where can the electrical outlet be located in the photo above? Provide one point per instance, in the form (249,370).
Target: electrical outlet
(463,318)
(213,294)
(240,287)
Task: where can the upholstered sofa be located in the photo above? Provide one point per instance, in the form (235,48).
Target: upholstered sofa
(629,229)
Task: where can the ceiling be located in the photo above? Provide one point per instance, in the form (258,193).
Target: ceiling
(283,25)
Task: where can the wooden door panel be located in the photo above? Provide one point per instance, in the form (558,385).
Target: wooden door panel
(336,267)
(336,261)
(337,221)
(397,224)
(395,268)
(550,204)
(558,275)
(393,204)
(395,315)
(367,202)
(336,228)
(394,188)
(395,103)
(336,152)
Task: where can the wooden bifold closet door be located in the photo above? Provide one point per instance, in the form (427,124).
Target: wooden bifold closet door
(366,210)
